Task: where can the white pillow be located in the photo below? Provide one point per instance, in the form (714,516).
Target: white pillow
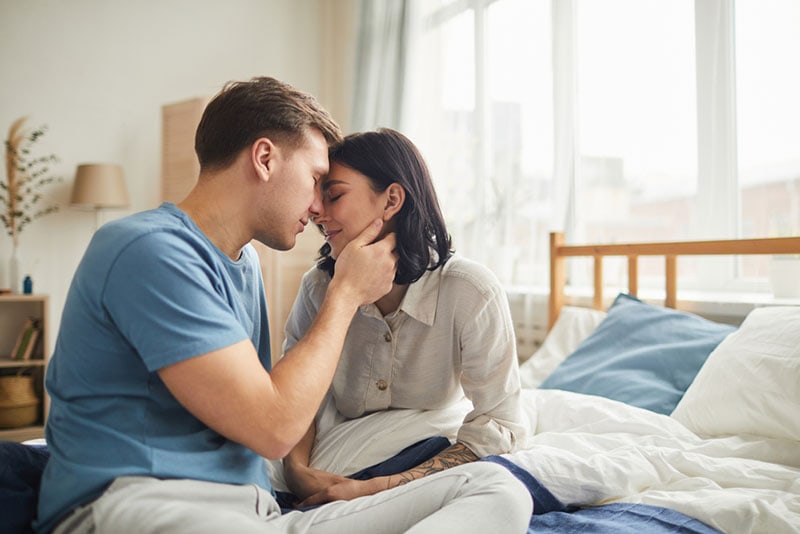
(570,329)
(348,446)
(750,383)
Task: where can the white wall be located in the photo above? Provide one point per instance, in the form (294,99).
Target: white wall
(97,72)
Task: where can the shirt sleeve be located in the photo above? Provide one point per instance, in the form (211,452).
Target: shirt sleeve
(490,379)
(304,310)
(168,300)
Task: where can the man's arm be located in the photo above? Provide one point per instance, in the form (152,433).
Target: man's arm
(303,480)
(231,392)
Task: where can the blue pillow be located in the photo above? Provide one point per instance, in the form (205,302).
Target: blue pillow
(21,468)
(640,354)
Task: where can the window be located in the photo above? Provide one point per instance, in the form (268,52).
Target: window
(637,125)
(613,120)
(768,113)
(480,110)
(636,130)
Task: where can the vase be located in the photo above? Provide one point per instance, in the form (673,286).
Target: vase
(5,286)
(14,280)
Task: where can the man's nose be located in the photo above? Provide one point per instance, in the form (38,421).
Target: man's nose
(317,209)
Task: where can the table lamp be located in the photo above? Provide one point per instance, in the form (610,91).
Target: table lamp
(99,186)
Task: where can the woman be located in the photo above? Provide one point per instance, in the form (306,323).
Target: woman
(444,330)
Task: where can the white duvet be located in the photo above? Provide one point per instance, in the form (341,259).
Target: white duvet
(589,450)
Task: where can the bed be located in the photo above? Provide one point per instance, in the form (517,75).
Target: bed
(645,418)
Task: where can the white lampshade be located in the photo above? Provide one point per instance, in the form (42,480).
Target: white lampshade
(99,185)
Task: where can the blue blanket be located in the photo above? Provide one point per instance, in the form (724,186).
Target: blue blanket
(21,468)
(552,516)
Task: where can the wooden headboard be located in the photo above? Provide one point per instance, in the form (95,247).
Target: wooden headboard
(669,250)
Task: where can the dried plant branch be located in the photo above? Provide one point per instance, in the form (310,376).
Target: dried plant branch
(25,176)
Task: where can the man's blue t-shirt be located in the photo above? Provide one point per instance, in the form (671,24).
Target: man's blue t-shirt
(150,291)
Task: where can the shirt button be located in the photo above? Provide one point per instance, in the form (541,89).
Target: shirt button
(387,337)
(382,385)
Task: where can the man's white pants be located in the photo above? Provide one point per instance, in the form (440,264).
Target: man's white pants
(476,497)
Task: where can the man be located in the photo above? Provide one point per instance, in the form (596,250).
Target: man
(163,400)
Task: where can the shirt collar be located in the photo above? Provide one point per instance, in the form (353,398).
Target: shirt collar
(419,301)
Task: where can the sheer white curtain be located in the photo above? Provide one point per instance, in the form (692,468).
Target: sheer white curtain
(717,186)
(380,64)
(565,123)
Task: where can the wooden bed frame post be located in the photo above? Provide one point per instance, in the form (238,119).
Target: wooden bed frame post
(558,278)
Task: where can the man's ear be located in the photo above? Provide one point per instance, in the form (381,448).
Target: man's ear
(262,157)
(395,197)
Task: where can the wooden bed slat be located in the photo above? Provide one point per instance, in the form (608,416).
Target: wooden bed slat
(558,277)
(633,275)
(597,302)
(671,275)
(559,251)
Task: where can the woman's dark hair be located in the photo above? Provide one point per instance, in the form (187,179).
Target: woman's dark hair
(261,107)
(386,156)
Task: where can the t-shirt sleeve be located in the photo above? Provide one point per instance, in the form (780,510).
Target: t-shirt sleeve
(167,297)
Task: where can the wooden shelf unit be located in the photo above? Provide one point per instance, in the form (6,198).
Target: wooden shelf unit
(14,310)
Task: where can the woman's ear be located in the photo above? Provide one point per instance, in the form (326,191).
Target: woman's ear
(395,197)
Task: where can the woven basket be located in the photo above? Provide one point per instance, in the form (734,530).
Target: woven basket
(19,405)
